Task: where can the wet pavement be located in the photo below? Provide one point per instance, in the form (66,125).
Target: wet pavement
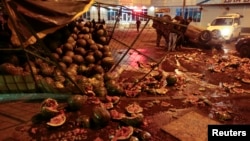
(14,114)
(210,83)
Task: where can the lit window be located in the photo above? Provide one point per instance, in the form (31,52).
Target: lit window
(194,13)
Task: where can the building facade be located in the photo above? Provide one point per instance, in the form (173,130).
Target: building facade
(202,11)
(155,8)
(214,8)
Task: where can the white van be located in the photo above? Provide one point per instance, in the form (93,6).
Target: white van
(227,26)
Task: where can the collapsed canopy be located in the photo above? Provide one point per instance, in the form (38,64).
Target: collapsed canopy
(43,16)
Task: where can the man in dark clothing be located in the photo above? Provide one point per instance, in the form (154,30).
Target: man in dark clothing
(138,24)
(103,22)
(182,39)
(162,29)
(174,33)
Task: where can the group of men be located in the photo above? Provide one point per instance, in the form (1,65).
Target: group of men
(172,30)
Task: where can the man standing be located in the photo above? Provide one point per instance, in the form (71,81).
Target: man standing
(182,40)
(174,33)
(138,24)
(161,26)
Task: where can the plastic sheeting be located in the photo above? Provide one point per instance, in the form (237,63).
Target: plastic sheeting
(42,17)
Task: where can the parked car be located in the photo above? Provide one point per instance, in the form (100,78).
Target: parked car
(227,26)
(242,45)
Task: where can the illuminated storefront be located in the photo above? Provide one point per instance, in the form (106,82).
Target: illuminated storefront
(150,7)
(202,11)
(110,13)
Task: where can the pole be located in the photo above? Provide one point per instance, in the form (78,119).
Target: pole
(183,7)
(99,12)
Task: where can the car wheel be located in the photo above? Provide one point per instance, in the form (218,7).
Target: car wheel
(205,36)
(244,50)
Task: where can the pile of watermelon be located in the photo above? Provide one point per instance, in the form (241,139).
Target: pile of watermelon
(84,55)
(73,116)
(77,54)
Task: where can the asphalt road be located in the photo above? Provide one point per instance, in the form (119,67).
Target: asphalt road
(229,46)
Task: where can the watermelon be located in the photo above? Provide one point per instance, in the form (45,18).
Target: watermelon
(134,121)
(57,120)
(134,108)
(113,88)
(76,102)
(49,107)
(113,99)
(108,76)
(116,115)
(101,91)
(133,138)
(107,63)
(90,59)
(84,121)
(142,135)
(123,133)
(171,80)
(100,117)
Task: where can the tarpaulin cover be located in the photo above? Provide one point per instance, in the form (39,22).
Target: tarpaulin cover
(43,16)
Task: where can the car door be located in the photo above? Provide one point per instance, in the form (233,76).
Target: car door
(237,27)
